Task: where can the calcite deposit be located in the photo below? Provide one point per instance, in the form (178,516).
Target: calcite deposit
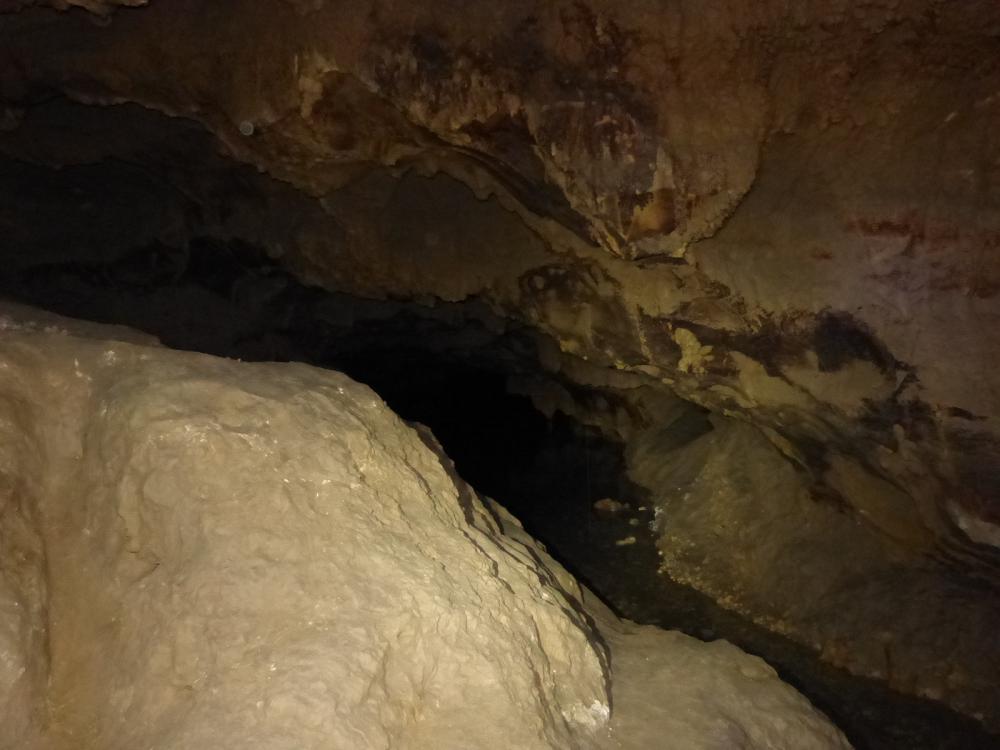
(202,553)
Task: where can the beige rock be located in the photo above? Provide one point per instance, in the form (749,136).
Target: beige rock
(217,554)
(263,556)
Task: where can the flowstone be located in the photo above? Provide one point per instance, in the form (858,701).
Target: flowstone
(199,552)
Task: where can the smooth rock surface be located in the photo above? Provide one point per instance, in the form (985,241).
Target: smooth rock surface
(199,552)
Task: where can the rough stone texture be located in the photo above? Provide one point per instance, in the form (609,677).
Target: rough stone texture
(204,553)
(793,561)
(707,688)
(265,556)
(785,213)
(670,690)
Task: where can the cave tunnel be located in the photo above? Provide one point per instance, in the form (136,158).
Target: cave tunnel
(752,451)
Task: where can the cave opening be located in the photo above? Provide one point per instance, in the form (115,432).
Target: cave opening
(133,238)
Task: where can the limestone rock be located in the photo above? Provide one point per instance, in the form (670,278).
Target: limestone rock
(677,692)
(199,552)
(613,133)
(262,556)
(734,204)
(801,566)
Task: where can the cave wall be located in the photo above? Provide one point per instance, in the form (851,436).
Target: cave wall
(778,157)
(784,214)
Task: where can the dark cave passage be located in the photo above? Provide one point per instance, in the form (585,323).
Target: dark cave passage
(500,443)
(448,367)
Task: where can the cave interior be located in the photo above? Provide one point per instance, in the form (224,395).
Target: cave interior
(476,295)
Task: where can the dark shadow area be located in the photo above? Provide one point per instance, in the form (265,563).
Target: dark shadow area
(549,473)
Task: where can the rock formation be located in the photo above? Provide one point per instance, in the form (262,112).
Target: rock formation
(785,214)
(205,553)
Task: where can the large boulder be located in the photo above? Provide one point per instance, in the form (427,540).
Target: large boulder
(199,552)
(263,556)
